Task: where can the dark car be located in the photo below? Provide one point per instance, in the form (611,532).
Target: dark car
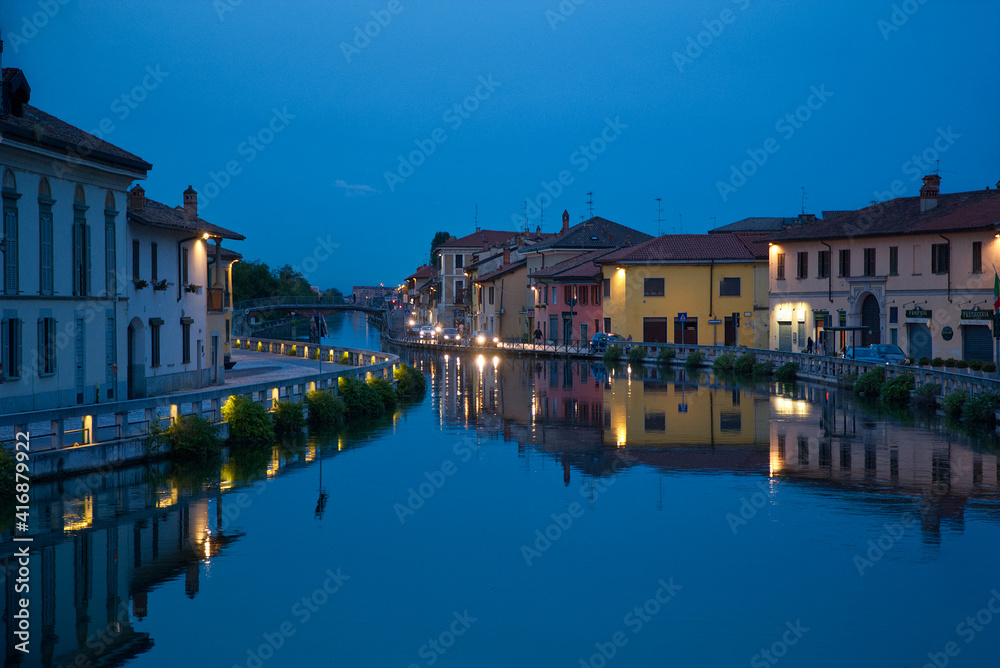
(484,338)
(450,335)
(890,353)
(600,341)
(862,355)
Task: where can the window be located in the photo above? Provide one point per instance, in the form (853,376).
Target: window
(918,258)
(893,314)
(110,256)
(45,259)
(652,287)
(459,261)
(823,264)
(135,260)
(802,265)
(459,292)
(940,257)
(567,294)
(607,324)
(185,340)
(10,333)
(729,287)
(10,256)
(977,257)
(555,299)
(894,336)
(893,260)
(870,262)
(583,291)
(227,330)
(845,262)
(595,294)
(81,245)
(46,346)
(184,266)
(154,263)
(779,266)
(154,340)
(583,333)
(607,287)
(491,294)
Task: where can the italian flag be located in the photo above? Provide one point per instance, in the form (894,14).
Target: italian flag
(996,290)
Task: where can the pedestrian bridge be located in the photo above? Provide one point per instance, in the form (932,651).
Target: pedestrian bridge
(306,307)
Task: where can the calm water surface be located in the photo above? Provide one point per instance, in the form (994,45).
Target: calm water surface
(540,513)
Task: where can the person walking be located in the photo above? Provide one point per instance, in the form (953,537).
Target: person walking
(538,336)
(809,346)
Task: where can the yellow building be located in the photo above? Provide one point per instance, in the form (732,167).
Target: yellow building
(705,289)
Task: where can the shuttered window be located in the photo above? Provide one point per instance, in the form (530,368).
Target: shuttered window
(10,339)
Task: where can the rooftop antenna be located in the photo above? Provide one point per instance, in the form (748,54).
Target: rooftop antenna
(680,219)
(590,203)
(541,215)
(713,222)
(803,200)
(659,215)
(525,215)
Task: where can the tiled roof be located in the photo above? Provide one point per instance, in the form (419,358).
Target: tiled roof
(974,210)
(721,247)
(595,233)
(756,224)
(36,126)
(480,239)
(423,271)
(156,214)
(505,269)
(583,267)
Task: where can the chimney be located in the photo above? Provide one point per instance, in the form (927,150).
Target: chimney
(538,229)
(506,256)
(807,218)
(929,192)
(565,220)
(190,204)
(137,198)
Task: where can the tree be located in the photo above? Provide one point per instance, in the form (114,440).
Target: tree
(439,238)
(336,295)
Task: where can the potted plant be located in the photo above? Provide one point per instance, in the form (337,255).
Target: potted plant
(160,285)
(140,283)
(191,287)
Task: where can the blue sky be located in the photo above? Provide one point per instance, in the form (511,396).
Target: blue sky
(346,151)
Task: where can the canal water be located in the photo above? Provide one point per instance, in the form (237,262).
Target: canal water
(538,513)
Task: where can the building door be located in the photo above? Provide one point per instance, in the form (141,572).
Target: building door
(729,331)
(870,320)
(686,331)
(918,339)
(111,356)
(79,358)
(554,328)
(785,336)
(977,343)
(130,344)
(567,328)
(654,330)
(215,358)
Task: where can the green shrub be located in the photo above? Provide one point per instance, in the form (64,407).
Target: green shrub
(325,410)
(7,470)
(724,362)
(288,417)
(744,364)
(927,394)
(666,356)
(924,361)
(954,403)
(385,390)
(248,422)
(344,358)
(612,355)
(937,361)
(762,369)
(190,437)
(982,407)
(787,372)
(360,399)
(293,351)
(961,364)
(694,359)
(636,355)
(989,367)
(950,362)
(897,390)
(870,383)
(410,383)
(976,365)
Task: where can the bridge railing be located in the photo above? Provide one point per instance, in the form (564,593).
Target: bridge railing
(279,301)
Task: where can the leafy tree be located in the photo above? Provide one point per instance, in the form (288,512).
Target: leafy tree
(439,238)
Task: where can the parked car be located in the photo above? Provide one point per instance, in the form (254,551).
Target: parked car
(481,337)
(600,341)
(427,332)
(450,335)
(862,355)
(890,353)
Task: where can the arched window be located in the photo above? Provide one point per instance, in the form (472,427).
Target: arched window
(10,234)
(110,246)
(78,196)
(81,244)
(45,241)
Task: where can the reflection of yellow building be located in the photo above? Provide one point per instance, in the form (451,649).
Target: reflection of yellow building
(706,289)
(645,413)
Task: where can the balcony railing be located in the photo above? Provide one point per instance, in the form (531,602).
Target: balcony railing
(217,299)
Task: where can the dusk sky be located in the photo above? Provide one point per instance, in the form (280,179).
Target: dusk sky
(486,102)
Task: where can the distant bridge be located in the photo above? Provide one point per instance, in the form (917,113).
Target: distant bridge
(306,307)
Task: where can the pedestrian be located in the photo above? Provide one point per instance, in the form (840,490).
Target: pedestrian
(809,346)
(628,348)
(538,335)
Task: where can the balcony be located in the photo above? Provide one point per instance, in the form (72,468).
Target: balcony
(218,300)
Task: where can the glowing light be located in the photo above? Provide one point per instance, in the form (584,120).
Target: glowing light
(785,406)
(79,514)
(206,236)
(480,362)
(166,498)
(496,361)
(622,433)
